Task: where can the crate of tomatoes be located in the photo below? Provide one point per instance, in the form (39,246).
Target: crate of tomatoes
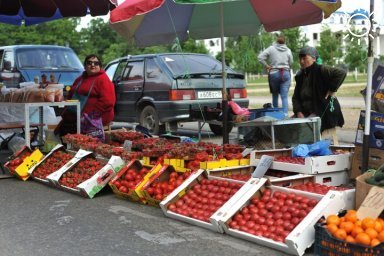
(161,184)
(199,197)
(284,161)
(85,174)
(127,181)
(278,217)
(240,173)
(17,159)
(50,163)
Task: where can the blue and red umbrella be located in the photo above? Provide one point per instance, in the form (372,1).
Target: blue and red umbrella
(30,12)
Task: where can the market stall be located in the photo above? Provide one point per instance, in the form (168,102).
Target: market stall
(217,187)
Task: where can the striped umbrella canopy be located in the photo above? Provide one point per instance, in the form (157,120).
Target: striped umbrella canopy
(154,22)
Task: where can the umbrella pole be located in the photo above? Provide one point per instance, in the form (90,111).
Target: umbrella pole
(367,124)
(224,104)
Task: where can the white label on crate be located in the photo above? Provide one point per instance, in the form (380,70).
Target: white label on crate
(127,145)
(263,166)
(359,136)
(246,152)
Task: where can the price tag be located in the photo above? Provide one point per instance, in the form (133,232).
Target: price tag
(263,166)
(373,204)
(127,145)
(246,152)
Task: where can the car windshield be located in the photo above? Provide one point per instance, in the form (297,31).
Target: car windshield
(48,58)
(184,64)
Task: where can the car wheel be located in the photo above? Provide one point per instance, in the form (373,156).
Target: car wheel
(150,120)
(218,129)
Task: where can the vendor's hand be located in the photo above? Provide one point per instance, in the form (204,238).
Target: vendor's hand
(268,68)
(329,94)
(300,115)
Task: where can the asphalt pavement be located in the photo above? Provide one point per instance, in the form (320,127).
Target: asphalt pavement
(44,221)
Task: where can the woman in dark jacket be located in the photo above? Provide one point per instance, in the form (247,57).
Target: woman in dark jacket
(315,87)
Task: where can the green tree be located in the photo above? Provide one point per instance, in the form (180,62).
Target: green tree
(59,32)
(356,54)
(330,46)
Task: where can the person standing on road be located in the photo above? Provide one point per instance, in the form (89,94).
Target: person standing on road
(315,88)
(278,61)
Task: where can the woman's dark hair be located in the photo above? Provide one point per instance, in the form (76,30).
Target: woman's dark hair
(90,56)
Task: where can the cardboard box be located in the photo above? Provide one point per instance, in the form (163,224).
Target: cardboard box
(312,165)
(20,154)
(362,188)
(302,236)
(90,187)
(31,171)
(373,204)
(22,170)
(375,159)
(54,177)
(132,194)
(376,130)
(163,174)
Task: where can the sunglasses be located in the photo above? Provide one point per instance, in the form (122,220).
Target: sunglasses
(89,62)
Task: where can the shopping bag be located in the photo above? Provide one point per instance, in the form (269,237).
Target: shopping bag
(92,124)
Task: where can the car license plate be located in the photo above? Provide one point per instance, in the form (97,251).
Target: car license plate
(209,94)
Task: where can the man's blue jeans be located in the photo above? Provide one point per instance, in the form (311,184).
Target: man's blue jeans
(280,83)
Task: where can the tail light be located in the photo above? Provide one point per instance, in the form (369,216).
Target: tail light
(238,93)
(181,94)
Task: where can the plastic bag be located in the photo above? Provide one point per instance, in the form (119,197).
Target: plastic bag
(238,110)
(92,124)
(320,148)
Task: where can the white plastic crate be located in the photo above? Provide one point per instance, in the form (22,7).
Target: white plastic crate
(312,165)
(188,184)
(302,236)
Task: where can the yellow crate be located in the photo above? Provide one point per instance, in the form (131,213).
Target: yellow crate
(245,161)
(175,162)
(139,188)
(30,161)
(233,162)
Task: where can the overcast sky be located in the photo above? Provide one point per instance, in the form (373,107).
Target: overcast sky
(351,5)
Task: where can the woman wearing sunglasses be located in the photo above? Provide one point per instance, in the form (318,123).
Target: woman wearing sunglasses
(96,94)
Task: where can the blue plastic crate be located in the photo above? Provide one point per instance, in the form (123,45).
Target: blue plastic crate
(272,112)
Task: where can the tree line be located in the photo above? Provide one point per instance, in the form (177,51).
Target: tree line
(241,52)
